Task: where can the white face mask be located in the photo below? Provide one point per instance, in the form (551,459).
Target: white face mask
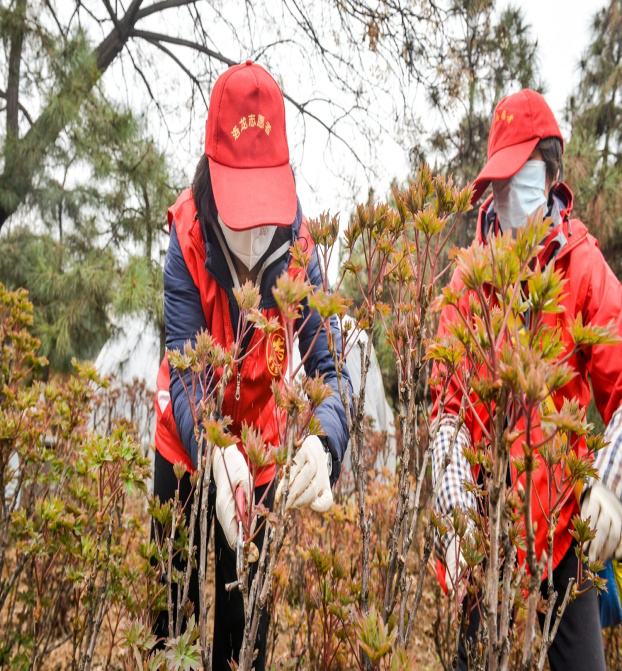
(248,246)
(521,195)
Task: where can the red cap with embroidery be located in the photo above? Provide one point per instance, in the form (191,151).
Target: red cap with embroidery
(246,144)
(519,123)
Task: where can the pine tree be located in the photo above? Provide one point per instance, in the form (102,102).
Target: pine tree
(594,154)
(89,247)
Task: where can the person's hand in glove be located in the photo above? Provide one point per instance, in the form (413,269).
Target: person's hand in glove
(604,509)
(230,471)
(454,567)
(309,481)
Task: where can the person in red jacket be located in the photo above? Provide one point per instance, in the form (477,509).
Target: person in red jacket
(238,223)
(525,148)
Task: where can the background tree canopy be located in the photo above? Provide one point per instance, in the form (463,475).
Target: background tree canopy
(594,153)
(84,180)
(103,101)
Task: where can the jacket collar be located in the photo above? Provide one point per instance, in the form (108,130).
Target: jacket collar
(560,238)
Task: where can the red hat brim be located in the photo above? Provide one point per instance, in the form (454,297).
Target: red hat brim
(503,164)
(251,197)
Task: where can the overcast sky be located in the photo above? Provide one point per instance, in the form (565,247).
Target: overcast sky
(562,29)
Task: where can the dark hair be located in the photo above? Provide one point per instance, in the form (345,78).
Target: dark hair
(551,150)
(202,191)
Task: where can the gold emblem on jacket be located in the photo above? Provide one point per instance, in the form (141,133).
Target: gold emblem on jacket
(275,353)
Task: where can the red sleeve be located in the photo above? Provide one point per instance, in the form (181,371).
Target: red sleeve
(453,398)
(602,305)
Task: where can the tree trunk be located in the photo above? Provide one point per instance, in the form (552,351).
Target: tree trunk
(15,59)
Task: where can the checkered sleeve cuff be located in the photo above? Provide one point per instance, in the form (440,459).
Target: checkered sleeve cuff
(608,461)
(451,493)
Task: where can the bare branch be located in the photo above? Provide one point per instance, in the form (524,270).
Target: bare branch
(301,107)
(21,108)
(141,74)
(61,31)
(259,54)
(15,57)
(165,4)
(161,37)
(112,14)
(171,55)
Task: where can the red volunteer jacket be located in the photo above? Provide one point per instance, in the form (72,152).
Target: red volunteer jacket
(248,396)
(591,289)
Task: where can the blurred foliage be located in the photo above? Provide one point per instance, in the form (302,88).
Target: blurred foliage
(69,536)
(593,157)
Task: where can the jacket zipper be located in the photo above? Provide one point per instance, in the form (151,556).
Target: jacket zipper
(243,347)
(237,384)
(203,255)
(200,247)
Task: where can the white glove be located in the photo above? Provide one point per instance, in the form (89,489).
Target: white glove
(454,565)
(309,482)
(229,462)
(605,510)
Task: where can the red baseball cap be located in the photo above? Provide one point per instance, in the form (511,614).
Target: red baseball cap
(520,122)
(246,145)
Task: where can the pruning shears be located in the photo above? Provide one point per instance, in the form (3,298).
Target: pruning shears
(252,554)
